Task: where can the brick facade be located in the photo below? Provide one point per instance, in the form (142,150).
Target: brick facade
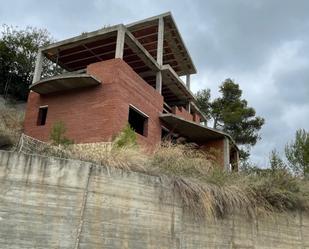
(182,112)
(96,114)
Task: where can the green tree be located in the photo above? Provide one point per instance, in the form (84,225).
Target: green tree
(297,153)
(231,113)
(18,50)
(276,162)
(203,102)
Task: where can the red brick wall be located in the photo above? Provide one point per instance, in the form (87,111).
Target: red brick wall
(196,118)
(182,112)
(96,114)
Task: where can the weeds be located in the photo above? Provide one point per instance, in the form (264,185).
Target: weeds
(203,189)
(11,126)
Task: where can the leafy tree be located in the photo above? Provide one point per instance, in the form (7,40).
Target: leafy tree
(203,101)
(57,134)
(18,50)
(232,114)
(297,153)
(276,162)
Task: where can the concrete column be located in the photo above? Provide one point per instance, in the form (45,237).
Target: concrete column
(188,81)
(38,67)
(226,154)
(159,82)
(189,107)
(160,53)
(237,160)
(160,41)
(120,43)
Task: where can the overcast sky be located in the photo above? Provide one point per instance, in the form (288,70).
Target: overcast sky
(262,44)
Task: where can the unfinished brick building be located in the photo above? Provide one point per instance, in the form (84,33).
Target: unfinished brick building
(118,75)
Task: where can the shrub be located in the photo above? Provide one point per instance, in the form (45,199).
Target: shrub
(126,138)
(57,136)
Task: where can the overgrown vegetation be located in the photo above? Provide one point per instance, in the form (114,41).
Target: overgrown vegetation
(57,134)
(11,126)
(190,174)
(127,137)
(204,189)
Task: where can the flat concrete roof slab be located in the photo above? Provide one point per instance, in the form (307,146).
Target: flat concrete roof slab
(64,82)
(190,130)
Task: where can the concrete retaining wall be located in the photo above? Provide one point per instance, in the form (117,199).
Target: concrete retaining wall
(53,203)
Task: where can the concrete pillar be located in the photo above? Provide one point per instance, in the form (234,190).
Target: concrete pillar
(237,160)
(226,154)
(38,67)
(188,81)
(189,107)
(120,42)
(160,53)
(159,82)
(160,41)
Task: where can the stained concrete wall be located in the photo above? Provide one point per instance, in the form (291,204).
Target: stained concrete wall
(53,203)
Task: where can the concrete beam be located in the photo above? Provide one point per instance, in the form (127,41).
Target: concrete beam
(138,48)
(71,42)
(38,67)
(180,83)
(120,42)
(188,80)
(167,17)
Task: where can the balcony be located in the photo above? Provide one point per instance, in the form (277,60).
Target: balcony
(64,82)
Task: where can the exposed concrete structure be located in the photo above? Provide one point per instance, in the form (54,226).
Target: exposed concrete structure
(153,57)
(63,83)
(38,67)
(49,203)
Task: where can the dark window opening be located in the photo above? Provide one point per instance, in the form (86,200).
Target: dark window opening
(138,121)
(42,115)
(165,134)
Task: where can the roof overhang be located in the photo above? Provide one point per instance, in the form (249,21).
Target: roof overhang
(193,131)
(175,85)
(76,53)
(175,52)
(64,82)
(79,51)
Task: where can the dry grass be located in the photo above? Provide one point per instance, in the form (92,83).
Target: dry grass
(11,126)
(128,158)
(204,190)
(180,160)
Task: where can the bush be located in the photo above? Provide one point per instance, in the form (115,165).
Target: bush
(57,136)
(126,138)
